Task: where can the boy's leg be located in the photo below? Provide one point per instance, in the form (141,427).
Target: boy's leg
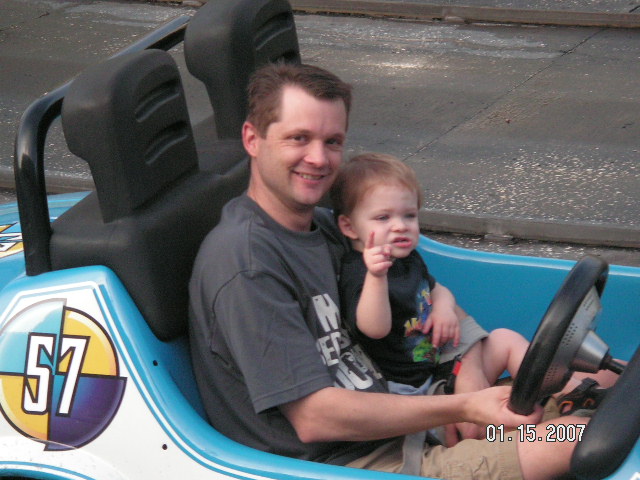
(483,364)
(502,350)
(471,377)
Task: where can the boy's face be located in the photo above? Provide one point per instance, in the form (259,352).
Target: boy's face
(391,213)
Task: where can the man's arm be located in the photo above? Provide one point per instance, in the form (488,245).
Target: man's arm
(335,414)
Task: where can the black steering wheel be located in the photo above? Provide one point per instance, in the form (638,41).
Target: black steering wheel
(564,341)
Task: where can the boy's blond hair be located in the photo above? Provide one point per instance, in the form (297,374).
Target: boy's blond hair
(365,171)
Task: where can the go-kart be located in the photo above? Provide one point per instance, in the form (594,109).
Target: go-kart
(95,373)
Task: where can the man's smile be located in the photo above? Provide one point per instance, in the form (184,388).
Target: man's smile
(309,176)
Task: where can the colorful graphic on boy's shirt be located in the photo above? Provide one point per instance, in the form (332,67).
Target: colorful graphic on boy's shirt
(417,342)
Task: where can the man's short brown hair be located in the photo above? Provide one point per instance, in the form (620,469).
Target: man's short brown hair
(266,85)
(365,171)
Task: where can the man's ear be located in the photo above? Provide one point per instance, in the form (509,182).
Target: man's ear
(346,227)
(249,138)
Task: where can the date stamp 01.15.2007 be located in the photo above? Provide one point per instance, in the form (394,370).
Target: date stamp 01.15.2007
(528,433)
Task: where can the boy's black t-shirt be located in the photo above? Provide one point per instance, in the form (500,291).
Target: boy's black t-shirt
(405,355)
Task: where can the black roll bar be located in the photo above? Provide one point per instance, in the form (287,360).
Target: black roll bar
(29,153)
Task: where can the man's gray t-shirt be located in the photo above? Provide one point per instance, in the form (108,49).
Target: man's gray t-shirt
(266,330)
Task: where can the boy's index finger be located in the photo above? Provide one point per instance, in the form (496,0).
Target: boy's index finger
(371,240)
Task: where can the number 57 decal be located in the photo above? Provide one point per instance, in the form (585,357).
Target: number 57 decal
(72,352)
(68,387)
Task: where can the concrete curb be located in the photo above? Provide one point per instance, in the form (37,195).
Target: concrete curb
(583,233)
(456,13)
(463,13)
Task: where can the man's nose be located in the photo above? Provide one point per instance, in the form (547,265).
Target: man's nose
(317,155)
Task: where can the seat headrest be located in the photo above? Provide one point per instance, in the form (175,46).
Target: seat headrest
(226,42)
(128,118)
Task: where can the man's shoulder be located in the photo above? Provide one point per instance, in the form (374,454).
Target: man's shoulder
(239,217)
(237,233)
(234,220)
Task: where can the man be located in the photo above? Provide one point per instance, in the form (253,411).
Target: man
(275,368)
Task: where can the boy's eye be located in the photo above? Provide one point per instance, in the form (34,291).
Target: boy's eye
(382,218)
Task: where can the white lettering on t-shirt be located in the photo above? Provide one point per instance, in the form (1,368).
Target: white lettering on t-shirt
(337,351)
(327,311)
(329,347)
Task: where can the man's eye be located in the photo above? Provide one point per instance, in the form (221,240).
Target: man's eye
(334,144)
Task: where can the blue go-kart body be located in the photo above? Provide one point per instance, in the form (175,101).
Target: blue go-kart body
(95,372)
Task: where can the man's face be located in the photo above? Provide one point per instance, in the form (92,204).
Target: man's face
(297,160)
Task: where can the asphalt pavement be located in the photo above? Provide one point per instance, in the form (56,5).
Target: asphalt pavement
(523,129)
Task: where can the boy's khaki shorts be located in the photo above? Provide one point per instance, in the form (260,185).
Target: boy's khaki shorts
(470,334)
(468,460)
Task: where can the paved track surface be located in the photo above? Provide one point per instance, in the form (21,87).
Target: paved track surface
(516,131)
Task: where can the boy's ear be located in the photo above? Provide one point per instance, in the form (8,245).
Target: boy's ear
(344,223)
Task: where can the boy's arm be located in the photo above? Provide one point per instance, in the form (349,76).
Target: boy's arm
(373,313)
(444,320)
